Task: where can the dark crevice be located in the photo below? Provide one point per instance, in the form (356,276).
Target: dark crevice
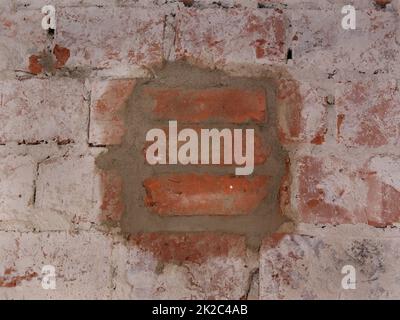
(253,280)
(289,55)
(34,185)
(94,145)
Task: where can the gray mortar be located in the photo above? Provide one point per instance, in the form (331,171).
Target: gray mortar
(128,159)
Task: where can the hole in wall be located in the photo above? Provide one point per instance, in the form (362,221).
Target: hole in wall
(289,55)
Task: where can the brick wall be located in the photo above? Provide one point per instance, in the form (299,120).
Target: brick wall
(76,191)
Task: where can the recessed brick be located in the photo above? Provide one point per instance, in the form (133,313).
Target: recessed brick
(232,105)
(204,194)
(261,149)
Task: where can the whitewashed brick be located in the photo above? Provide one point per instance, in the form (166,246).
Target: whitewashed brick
(71,186)
(115,41)
(42,110)
(81,261)
(17,175)
(308,265)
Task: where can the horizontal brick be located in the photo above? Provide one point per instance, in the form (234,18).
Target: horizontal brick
(81,261)
(38,4)
(189,247)
(328,189)
(117,41)
(309,266)
(42,110)
(183,266)
(217,105)
(21,36)
(382,174)
(302,113)
(368,113)
(317,4)
(333,190)
(17,175)
(215,37)
(108,99)
(321,48)
(261,149)
(72,186)
(195,194)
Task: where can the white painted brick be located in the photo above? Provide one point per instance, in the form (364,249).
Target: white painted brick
(82,263)
(308,264)
(17,175)
(72,187)
(50,110)
(115,41)
(216,37)
(140,275)
(38,4)
(323,47)
(21,35)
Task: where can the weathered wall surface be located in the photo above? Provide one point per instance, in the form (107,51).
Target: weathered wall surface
(68,99)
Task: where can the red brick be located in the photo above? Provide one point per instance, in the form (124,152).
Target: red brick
(368,113)
(195,194)
(382,3)
(48,62)
(216,105)
(301,112)
(220,37)
(329,190)
(34,64)
(62,55)
(261,150)
(190,247)
(112,205)
(109,98)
